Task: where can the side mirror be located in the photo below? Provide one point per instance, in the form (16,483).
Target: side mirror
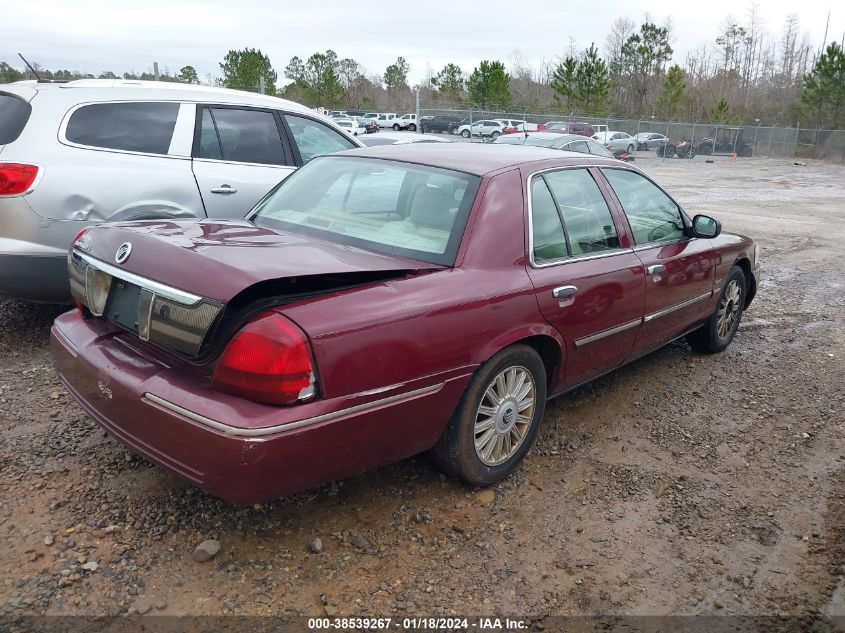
(705,226)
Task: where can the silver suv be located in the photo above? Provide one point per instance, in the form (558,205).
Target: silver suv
(76,153)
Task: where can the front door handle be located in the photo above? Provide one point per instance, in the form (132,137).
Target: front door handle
(656,269)
(563,292)
(224,189)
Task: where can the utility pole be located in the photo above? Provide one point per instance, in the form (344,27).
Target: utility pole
(155,70)
(261,84)
(419,129)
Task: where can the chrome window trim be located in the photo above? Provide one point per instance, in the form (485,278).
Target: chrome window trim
(609,332)
(279,428)
(648,245)
(160,289)
(677,306)
(63,129)
(571,258)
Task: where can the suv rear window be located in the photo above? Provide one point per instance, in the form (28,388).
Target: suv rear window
(14,113)
(133,127)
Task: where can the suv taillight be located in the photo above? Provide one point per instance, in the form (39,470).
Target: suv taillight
(267,361)
(16,178)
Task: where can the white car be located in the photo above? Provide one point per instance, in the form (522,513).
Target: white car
(351,126)
(396,138)
(617,141)
(99,150)
(598,128)
(484,127)
(406,122)
(519,126)
(386,119)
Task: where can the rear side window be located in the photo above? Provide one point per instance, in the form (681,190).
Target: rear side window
(14,113)
(240,135)
(315,139)
(546,229)
(589,225)
(132,127)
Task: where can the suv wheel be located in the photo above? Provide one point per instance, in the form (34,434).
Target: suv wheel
(465,133)
(396,127)
(412,127)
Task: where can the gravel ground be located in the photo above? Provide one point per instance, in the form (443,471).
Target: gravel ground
(681,484)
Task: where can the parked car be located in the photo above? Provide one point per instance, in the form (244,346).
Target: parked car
(386,119)
(650,140)
(617,141)
(438,123)
(512,126)
(370,126)
(397,138)
(570,127)
(552,140)
(350,126)
(406,122)
(338,114)
(384,302)
(482,128)
(88,151)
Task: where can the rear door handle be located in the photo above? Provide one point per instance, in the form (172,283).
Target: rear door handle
(563,292)
(225,189)
(656,269)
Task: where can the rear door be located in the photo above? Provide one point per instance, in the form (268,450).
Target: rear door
(239,154)
(679,269)
(588,282)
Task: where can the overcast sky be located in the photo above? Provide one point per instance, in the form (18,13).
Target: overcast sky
(97,35)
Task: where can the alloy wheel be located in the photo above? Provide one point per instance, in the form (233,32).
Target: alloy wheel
(504,415)
(728,310)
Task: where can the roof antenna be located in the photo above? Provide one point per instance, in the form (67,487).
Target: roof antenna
(28,65)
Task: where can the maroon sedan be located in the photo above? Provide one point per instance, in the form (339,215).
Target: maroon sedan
(384,302)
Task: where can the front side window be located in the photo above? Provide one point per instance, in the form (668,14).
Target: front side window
(586,216)
(315,139)
(243,136)
(131,127)
(384,206)
(653,216)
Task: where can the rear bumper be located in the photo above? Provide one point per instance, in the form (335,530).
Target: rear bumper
(238,450)
(33,253)
(41,278)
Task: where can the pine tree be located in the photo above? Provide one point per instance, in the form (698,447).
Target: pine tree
(824,88)
(672,93)
(489,84)
(592,83)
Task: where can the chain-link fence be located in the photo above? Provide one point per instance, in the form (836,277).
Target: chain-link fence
(707,138)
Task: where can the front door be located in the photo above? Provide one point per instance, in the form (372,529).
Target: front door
(238,157)
(588,285)
(679,269)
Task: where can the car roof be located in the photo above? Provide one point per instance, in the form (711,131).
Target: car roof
(474,158)
(132,90)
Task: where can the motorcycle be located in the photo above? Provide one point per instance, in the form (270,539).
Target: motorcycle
(685,149)
(666,149)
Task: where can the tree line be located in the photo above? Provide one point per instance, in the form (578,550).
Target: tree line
(744,75)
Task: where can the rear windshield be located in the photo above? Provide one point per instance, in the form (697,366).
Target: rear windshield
(133,127)
(385,206)
(14,113)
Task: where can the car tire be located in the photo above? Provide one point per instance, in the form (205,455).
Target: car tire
(412,127)
(483,450)
(396,127)
(630,149)
(465,133)
(719,330)
(495,135)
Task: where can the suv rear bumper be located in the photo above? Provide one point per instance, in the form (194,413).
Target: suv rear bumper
(33,253)
(40,278)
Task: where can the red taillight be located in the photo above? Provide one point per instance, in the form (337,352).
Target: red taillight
(269,361)
(16,178)
(509,130)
